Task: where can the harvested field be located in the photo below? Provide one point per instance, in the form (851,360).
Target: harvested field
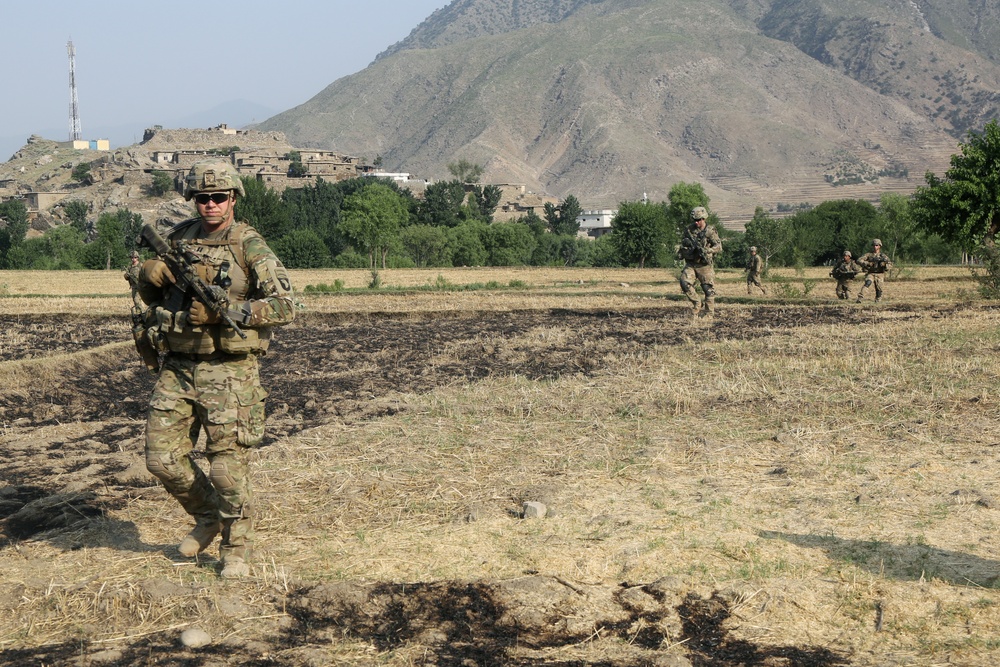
(799,481)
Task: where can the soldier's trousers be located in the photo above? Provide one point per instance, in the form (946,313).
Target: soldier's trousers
(876,280)
(843,289)
(753,280)
(224,398)
(704,275)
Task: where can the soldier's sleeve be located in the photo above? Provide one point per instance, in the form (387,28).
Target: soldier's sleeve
(714,243)
(270,301)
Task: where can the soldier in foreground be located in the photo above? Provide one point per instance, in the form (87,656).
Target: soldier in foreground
(876,264)
(699,246)
(844,272)
(209,378)
(754,266)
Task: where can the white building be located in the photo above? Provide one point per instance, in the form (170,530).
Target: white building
(597,223)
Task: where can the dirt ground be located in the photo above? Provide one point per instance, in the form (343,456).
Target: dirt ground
(327,367)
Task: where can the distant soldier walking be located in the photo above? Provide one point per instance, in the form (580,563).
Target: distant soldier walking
(844,273)
(754,266)
(699,246)
(131,274)
(876,264)
(210,376)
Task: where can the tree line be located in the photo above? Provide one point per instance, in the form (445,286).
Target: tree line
(373,223)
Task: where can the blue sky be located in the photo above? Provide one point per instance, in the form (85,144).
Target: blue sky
(141,63)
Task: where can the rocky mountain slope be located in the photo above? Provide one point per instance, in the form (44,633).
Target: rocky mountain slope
(764,102)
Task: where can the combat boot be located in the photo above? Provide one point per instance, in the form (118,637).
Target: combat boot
(234,563)
(199,538)
(234,567)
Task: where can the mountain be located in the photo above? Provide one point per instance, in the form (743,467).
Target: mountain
(764,102)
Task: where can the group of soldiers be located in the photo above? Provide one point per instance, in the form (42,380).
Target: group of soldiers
(700,244)
(204,347)
(874,265)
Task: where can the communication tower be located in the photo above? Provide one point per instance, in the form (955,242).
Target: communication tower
(75,131)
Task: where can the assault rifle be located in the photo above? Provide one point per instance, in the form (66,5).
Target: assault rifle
(878,265)
(180,260)
(843,275)
(692,250)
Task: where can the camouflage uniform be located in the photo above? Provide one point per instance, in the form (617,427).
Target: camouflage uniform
(844,273)
(698,249)
(754,266)
(876,264)
(210,380)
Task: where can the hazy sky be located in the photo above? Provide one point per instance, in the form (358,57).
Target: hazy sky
(141,63)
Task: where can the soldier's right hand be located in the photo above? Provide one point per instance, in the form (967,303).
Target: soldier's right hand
(157,272)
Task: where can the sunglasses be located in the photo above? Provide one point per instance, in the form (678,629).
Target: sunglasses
(217,197)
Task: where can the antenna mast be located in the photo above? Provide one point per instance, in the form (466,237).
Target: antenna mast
(75,131)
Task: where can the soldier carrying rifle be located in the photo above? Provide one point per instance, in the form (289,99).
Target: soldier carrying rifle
(698,249)
(876,265)
(214,292)
(844,272)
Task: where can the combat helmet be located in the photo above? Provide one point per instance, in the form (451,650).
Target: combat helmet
(212,176)
(699,213)
(847,253)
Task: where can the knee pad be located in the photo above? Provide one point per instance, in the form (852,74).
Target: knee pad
(685,285)
(868,283)
(221,478)
(164,467)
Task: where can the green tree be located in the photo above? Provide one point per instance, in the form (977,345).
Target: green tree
(263,208)
(769,234)
(897,227)
(372,219)
(682,198)
(508,244)
(61,248)
(964,206)
(81,172)
(442,204)
(465,171)
(465,244)
(820,235)
(295,167)
(316,207)
(162,183)
(486,200)
(301,249)
(76,211)
(563,219)
(115,238)
(14,215)
(426,245)
(639,232)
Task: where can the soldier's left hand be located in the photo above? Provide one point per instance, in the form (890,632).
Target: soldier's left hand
(200,314)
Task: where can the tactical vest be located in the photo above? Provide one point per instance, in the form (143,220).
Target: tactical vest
(220,259)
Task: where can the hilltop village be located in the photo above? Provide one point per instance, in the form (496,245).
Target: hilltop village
(42,174)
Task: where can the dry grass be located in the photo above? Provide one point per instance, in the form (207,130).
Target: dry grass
(840,478)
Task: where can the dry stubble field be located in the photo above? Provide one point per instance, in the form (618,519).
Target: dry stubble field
(801,481)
